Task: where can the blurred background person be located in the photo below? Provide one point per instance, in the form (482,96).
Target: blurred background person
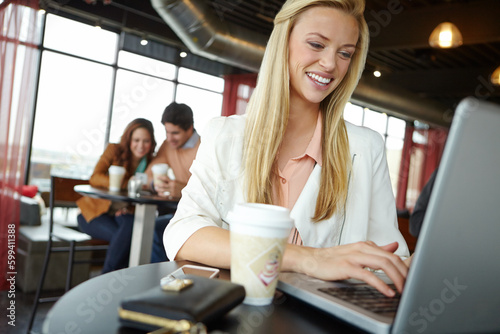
(178,151)
(113,221)
(418,214)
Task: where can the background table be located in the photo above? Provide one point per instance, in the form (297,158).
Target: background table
(144,218)
(92,307)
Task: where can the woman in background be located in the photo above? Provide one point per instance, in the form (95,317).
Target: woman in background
(113,221)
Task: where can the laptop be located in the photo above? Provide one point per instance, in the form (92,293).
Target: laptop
(453,285)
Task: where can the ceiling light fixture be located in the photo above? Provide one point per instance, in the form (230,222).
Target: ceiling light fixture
(495,77)
(446,35)
(144,41)
(183,54)
(377,74)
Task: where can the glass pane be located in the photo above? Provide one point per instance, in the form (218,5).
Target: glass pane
(205,106)
(80,39)
(375,121)
(353,114)
(396,127)
(146,65)
(244,94)
(245,91)
(202,80)
(71,115)
(138,95)
(392,143)
(416,162)
(420,137)
(394,150)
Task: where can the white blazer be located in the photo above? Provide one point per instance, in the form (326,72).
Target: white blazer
(215,187)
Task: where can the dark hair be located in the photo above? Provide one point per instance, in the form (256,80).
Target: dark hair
(178,114)
(126,139)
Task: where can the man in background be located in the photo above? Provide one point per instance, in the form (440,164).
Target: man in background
(178,151)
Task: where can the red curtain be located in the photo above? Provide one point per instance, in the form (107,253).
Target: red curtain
(432,152)
(404,169)
(436,139)
(18,63)
(237,91)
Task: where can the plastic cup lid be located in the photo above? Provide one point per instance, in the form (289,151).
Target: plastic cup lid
(158,168)
(258,214)
(116,169)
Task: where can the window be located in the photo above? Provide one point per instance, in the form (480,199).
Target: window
(353,114)
(80,39)
(394,148)
(205,104)
(243,97)
(202,80)
(139,96)
(376,121)
(417,158)
(88,99)
(71,115)
(146,65)
(392,129)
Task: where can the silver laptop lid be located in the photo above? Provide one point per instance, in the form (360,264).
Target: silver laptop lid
(454,281)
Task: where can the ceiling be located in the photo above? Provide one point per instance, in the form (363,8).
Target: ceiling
(399,32)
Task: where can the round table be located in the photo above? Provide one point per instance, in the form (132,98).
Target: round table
(144,217)
(92,307)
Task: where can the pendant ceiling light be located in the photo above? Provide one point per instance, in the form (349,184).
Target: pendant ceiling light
(495,77)
(445,35)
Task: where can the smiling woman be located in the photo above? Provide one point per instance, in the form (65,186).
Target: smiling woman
(113,221)
(294,149)
(322,43)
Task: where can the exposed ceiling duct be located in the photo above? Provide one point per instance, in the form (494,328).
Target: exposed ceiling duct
(374,93)
(205,34)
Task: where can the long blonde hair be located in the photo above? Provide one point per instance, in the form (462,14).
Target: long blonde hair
(268,112)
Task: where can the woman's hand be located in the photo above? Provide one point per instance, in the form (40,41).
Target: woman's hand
(407,261)
(349,261)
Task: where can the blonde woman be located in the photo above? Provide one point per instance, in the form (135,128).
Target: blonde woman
(294,149)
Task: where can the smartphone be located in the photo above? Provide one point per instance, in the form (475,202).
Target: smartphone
(189,269)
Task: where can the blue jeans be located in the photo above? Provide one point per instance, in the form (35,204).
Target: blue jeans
(158,252)
(115,229)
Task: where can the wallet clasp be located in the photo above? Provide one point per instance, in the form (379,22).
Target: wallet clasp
(198,328)
(175,284)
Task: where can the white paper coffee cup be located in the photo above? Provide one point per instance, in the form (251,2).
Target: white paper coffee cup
(116,174)
(258,235)
(159,170)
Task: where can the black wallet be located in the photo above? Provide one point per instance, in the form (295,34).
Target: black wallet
(205,300)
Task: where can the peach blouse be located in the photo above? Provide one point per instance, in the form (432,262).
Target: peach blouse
(293,177)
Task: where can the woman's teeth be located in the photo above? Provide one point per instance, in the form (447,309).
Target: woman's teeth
(319,79)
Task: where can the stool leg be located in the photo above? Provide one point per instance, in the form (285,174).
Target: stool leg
(48,251)
(70,264)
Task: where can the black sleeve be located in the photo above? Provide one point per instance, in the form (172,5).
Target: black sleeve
(417,217)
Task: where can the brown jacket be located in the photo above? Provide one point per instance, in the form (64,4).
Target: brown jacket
(92,207)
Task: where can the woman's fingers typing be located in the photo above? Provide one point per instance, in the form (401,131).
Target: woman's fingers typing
(390,263)
(354,261)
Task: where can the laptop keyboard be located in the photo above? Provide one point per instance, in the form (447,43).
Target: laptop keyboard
(366,297)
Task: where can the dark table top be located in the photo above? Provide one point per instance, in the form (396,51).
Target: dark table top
(92,307)
(144,197)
